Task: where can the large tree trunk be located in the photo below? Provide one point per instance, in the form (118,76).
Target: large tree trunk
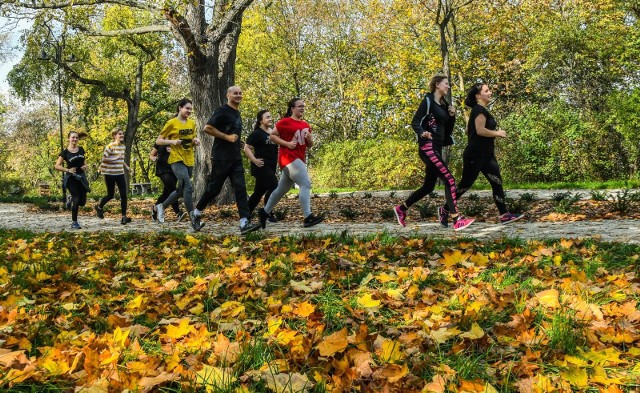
(211,73)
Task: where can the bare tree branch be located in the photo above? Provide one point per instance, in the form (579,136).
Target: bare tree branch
(123,32)
(60,4)
(228,19)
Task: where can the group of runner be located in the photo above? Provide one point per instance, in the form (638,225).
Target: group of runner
(285,145)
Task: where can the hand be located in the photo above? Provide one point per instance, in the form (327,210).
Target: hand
(168,150)
(84,167)
(452,110)
(154,158)
(177,142)
(426,135)
(307,135)
(293,144)
(72,170)
(196,141)
(501,133)
(232,138)
(259,162)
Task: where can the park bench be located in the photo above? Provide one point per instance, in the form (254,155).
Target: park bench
(44,189)
(141,188)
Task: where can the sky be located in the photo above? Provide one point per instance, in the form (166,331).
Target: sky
(7,65)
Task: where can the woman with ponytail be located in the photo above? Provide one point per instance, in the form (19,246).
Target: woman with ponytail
(293,134)
(433,123)
(263,154)
(479,155)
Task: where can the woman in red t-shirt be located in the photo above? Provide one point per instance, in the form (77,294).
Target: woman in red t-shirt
(293,135)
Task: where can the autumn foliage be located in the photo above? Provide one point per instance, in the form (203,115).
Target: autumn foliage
(175,312)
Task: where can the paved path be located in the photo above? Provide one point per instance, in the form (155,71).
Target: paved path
(16,216)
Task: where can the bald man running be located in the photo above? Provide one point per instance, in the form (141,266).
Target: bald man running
(225,125)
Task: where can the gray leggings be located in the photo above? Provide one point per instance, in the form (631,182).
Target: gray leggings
(294,173)
(185,189)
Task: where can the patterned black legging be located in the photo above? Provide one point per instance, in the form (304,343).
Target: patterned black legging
(488,166)
(435,169)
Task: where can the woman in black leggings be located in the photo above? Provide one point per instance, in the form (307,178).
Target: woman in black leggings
(433,123)
(160,155)
(75,179)
(112,167)
(263,154)
(479,155)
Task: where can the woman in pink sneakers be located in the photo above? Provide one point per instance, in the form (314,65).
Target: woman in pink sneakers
(479,155)
(433,122)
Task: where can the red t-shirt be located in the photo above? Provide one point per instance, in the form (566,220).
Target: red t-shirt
(290,128)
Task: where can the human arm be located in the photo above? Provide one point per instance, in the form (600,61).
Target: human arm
(59,167)
(211,130)
(481,129)
(153,155)
(275,137)
(419,117)
(248,151)
(308,138)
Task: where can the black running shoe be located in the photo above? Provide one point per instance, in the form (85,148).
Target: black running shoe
(99,211)
(262,217)
(272,218)
(125,220)
(196,224)
(249,227)
(312,220)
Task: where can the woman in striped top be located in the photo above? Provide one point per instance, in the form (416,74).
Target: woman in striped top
(112,167)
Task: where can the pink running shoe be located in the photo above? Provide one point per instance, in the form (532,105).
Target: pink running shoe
(400,215)
(462,222)
(510,217)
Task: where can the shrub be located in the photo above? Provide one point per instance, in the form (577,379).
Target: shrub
(368,164)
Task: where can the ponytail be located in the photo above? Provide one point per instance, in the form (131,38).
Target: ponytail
(290,106)
(471,99)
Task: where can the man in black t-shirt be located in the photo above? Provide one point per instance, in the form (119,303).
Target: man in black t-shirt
(225,125)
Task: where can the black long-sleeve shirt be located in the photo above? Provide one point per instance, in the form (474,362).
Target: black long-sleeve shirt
(437,121)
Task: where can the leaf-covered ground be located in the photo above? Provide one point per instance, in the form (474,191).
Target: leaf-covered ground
(174,312)
(365,208)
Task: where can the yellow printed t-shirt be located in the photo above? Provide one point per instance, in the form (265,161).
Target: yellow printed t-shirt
(175,129)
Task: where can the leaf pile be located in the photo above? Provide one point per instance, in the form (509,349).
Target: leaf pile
(175,312)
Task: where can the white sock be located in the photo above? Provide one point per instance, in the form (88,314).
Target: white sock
(196,213)
(243,221)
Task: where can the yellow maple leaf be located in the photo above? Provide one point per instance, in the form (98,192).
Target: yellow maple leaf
(366,301)
(135,305)
(120,337)
(391,352)
(479,259)
(56,367)
(336,342)
(475,333)
(287,383)
(549,298)
(443,334)
(305,309)
(600,376)
(192,240)
(450,258)
(576,376)
(197,309)
(395,293)
(179,331)
(215,377)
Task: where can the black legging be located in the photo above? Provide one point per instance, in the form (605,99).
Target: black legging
(169,181)
(111,181)
(78,196)
(488,165)
(266,182)
(435,169)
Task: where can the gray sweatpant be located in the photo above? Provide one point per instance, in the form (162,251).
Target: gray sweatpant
(185,188)
(294,173)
